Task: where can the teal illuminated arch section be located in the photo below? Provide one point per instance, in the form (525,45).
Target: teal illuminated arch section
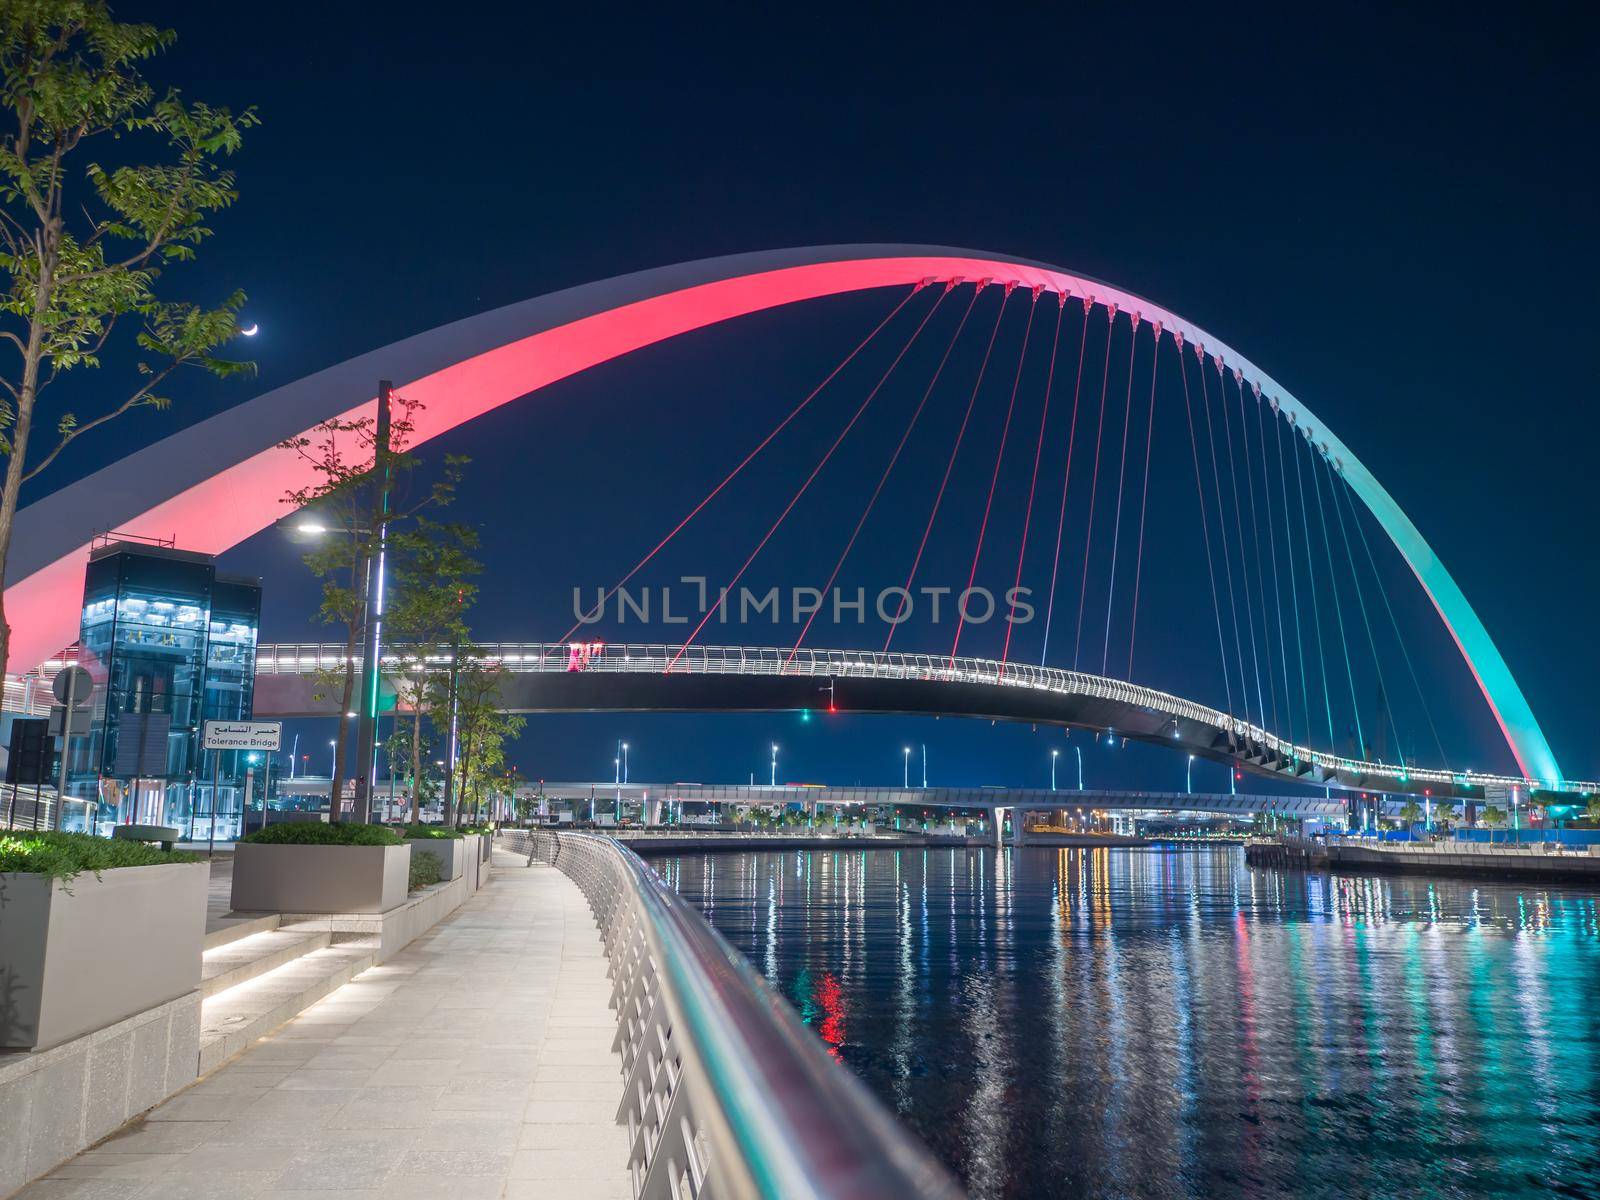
(220,481)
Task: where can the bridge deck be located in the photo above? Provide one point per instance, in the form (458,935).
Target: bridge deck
(475,1063)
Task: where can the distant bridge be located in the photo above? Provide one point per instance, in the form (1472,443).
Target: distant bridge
(970,799)
(632,678)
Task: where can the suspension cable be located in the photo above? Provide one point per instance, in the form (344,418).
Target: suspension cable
(599,608)
(1294,586)
(815,471)
(1272,541)
(1238,523)
(827,588)
(1066,478)
(1033,482)
(1416,682)
(1200,495)
(1255,538)
(1222,532)
(1094,481)
(949,466)
(1338,607)
(1311,577)
(994,480)
(1361,601)
(1144,498)
(1122,474)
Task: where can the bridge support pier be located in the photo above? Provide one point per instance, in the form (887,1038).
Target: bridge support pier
(1019,835)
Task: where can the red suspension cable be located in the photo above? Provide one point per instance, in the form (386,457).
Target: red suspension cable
(883,479)
(994,480)
(1066,478)
(745,462)
(949,466)
(1038,451)
(1122,476)
(815,471)
(1144,500)
(1094,482)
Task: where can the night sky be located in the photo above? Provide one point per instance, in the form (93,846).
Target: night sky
(1394,218)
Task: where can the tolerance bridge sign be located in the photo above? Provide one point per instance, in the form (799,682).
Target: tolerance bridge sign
(243,735)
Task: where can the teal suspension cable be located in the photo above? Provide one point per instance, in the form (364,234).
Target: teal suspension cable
(1338,608)
(1316,613)
(1361,601)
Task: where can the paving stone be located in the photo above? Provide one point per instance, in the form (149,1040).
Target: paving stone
(416,1078)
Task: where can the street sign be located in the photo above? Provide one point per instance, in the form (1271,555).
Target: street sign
(243,735)
(72,685)
(82,720)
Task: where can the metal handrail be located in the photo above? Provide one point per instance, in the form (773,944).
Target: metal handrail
(727,1094)
(656,658)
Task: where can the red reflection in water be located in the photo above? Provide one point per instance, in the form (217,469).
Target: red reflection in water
(830,999)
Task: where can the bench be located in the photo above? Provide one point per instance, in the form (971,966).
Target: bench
(167,835)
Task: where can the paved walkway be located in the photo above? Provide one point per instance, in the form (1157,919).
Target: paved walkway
(475,1064)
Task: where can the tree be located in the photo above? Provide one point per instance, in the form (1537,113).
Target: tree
(1411,812)
(433,587)
(83,244)
(1493,817)
(470,695)
(354,499)
(1444,811)
(1591,809)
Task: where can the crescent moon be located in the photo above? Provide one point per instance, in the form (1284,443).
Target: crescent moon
(252,331)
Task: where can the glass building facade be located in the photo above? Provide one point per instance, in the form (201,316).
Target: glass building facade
(170,644)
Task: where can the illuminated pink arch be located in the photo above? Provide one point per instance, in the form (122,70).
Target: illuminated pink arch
(217,483)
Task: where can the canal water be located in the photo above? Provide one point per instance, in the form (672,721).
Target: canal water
(1150,1023)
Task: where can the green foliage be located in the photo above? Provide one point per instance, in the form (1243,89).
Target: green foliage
(63,855)
(83,247)
(1494,818)
(424,871)
(316,833)
(1411,812)
(441,832)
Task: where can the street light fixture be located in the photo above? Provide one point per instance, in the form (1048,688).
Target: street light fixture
(905,780)
(1189,777)
(774,764)
(1054,754)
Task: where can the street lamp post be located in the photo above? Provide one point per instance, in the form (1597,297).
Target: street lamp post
(905,778)
(367,723)
(1189,777)
(1054,754)
(774,764)
(1079,749)
(924,766)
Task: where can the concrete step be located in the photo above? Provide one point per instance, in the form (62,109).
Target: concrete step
(230,927)
(231,1020)
(249,957)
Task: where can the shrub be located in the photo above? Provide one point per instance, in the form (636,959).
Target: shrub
(62,855)
(431,831)
(424,871)
(316,833)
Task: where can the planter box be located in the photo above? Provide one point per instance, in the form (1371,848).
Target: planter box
(319,879)
(451,853)
(78,957)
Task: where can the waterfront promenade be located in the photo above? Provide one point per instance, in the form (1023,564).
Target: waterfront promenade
(475,1064)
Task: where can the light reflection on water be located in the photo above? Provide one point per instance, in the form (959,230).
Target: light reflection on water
(1114,1023)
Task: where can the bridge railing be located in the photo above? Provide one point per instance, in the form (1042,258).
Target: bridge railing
(726,1094)
(655,658)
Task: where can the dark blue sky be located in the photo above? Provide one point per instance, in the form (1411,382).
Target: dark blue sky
(1394,217)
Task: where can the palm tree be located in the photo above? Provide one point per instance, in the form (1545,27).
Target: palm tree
(1494,818)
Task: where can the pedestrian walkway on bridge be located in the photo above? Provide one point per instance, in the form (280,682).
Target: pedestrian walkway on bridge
(475,1064)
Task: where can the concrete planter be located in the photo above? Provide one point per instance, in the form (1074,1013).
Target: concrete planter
(78,957)
(319,879)
(451,853)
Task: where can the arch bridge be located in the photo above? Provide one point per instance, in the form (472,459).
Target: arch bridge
(218,482)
